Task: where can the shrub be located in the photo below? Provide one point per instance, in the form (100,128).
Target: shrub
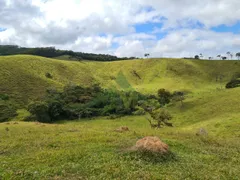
(4,97)
(40,111)
(139,111)
(48,75)
(161,116)
(233,84)
(178,96)
(164,96)
(6,112)
(76,102)
(55,110)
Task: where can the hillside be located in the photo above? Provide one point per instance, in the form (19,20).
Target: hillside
(64,150)
(23,77)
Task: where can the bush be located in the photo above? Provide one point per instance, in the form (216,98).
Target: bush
(164,96)
(77,102)
(161,116)
(40,111)
(233,84)
(139,111)
(178,96)
(4,97)
(6,112)
(48,75)
(55,110)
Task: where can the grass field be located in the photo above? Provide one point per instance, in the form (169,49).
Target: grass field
(90,149)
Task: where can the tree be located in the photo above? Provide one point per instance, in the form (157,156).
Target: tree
(219,56)
(161,116)
(230,54)
(224,58)
(201,55)
(238,55)
(146,55)
(55,110)
(6,112)
(178,96)
(40,111)
(164,97)
(196,57)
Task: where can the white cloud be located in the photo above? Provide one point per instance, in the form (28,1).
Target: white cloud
(97,25)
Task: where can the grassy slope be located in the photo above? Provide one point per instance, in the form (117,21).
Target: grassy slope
(66,150)
(24,76)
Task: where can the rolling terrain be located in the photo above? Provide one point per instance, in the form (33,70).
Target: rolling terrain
(90,149)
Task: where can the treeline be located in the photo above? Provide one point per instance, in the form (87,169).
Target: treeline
(51,52)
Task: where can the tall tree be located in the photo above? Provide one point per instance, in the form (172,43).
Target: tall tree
(219,56)
(146,55)
(238,55)
(196,57)
(230,55)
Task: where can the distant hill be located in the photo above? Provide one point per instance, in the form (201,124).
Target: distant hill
(24,77)
(51,52)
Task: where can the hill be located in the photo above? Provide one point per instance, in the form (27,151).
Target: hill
(65,150)
(51,52)
(23,77)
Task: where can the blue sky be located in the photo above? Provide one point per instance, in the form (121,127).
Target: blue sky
(228,28)
(2,29)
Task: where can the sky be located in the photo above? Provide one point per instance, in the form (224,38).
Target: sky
(162,28)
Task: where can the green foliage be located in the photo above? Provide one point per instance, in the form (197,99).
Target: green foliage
(55,110)
(161,116)
(238,55)
(40,111)
(149,104)
(77,102)
(4,97)
(7,111)
(178,96)
(197,57)
(233,84)
(48,75)
(164,96)
(139,111)
(51,52)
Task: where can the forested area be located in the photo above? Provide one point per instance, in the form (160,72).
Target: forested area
(52,52)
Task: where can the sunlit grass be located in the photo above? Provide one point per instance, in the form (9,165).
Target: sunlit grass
(91,149)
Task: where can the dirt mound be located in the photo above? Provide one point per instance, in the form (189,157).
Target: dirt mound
(122,129)
(152,144)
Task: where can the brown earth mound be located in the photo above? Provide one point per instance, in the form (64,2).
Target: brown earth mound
(122,129)
(152,144)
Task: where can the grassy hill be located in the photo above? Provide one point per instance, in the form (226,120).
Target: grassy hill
(90,149)
(23,77)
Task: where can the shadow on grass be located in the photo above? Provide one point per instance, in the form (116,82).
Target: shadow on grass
(150,157)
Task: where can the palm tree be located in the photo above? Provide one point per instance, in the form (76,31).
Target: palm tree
(146,55)
(230,54)
(201,55)
(238,55)
(219,56)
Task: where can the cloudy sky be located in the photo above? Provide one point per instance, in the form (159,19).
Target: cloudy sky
(163,28)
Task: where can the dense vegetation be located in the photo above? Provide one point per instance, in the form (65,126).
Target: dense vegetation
(51,52)
(76,102)
(7,111)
